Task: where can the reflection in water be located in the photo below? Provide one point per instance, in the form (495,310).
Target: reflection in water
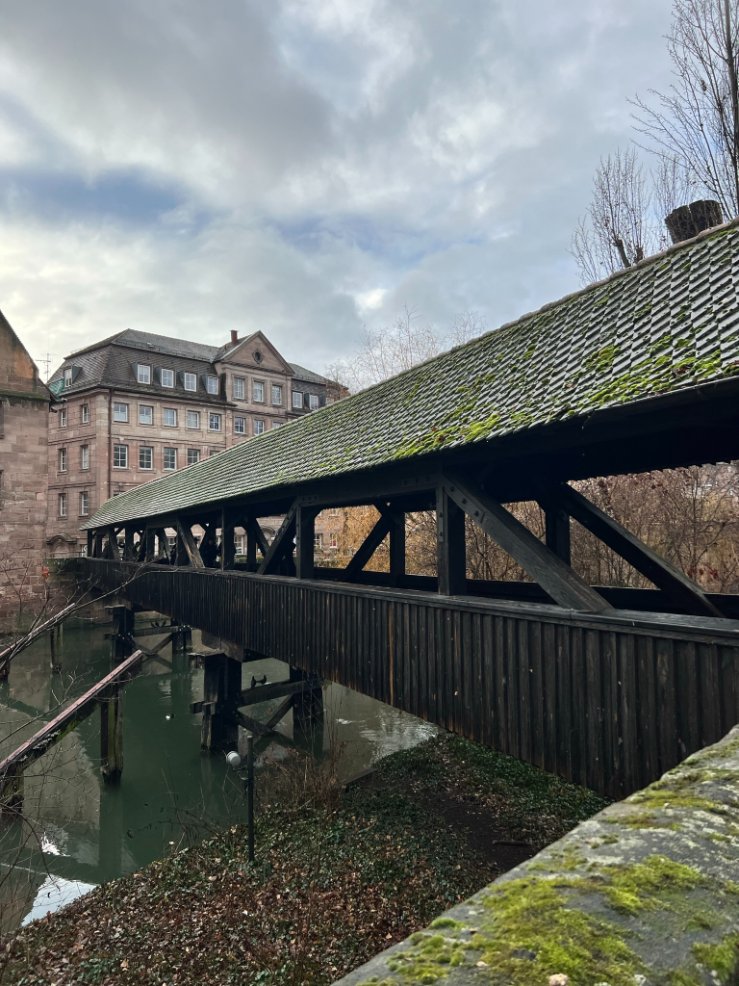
(75,832)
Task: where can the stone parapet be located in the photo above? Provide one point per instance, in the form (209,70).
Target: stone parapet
(646,892)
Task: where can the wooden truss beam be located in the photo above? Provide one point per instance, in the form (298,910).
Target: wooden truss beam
(188,543)
(678,587)
(451,556)
(371,543)
(282,542)
(539,561)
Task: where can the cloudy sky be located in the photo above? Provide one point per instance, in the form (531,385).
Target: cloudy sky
(305,167)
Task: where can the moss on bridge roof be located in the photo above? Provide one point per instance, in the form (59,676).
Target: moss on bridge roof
(662,327)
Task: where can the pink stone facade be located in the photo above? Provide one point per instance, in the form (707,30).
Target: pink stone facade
(24,424)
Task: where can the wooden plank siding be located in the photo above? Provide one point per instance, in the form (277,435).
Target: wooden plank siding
(609,700)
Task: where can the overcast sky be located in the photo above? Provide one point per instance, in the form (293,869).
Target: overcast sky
(303,167)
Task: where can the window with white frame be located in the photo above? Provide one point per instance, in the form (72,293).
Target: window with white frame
(214,421)
(169,417)
(211,384)
(84,503)
(63,418)
(62,504)
(190,381)
(84,456)
(239,388)
(85,414)
(277,424)
(193,456)
(167,378)
(169,458)
(239,425)
(318,540)
(62,460)
(146,414)
(146,457)
(298,400)
(277,394)
(258,426)
(193,419)
(120,411)
(257,391)
(143,373)
(120,456)
(313,401)
(68,376)
(333,539)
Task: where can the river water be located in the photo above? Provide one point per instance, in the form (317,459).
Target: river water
(76,831)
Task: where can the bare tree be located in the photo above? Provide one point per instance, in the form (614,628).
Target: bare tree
(695,124)
(693,131)
(618,229)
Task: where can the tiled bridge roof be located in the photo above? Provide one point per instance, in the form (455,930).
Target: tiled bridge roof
(662,327)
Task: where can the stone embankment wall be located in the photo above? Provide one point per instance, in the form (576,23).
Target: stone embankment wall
(646,892)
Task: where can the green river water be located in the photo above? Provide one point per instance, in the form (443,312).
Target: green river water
(76,831)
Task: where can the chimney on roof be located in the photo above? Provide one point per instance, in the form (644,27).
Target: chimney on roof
(234,337)
(687,221)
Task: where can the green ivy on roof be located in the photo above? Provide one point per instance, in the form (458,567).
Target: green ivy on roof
(664,326)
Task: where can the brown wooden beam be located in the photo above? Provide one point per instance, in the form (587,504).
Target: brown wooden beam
(557,532)
(370,544)
(228,544)
(659,571)
(282,542)
(305,529)
(451,560)
(397,543)
(554,576)
(188,543)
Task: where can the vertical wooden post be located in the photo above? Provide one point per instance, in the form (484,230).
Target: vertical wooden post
(305,532)
(90,544)
(251,544)
(221,692)
(111,736)
(450,546)
(120,644)
(129,549)
(308,704)
(397,545)
(150,544)
(557,537)
(228,544)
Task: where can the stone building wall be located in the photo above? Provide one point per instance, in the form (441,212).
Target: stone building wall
(24,424)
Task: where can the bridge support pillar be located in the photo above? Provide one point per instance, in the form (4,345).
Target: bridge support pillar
(121,645)
(221,693)
(111,736)
(307,705)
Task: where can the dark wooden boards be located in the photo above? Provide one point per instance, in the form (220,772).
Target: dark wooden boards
(608,700)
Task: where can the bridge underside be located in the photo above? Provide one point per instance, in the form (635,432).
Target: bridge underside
(609,700)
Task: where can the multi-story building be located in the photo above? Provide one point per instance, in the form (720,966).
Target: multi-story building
(137,406)
(24,424)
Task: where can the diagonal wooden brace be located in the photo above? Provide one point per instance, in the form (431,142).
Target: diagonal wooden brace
(554,576)
(665,576)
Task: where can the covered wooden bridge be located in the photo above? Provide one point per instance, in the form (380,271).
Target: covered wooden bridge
(608,687)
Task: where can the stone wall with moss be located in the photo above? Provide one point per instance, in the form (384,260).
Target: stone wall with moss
(646,892)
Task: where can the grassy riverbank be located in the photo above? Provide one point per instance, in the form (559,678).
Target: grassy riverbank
(337,879)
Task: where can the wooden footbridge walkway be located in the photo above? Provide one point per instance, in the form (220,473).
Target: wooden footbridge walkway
(607,687)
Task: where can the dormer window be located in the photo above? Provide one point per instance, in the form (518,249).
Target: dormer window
(143,373)
(68,376)
(211,384)
(190,381)
(167,378)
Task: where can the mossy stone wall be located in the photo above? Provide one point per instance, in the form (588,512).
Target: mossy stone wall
(646,892)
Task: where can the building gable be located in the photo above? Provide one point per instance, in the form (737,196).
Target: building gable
(18,372)
(255,353)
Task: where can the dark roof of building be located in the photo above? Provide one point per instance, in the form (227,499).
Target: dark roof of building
(300,373)
(668,325)
(152,343)
(112,362)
